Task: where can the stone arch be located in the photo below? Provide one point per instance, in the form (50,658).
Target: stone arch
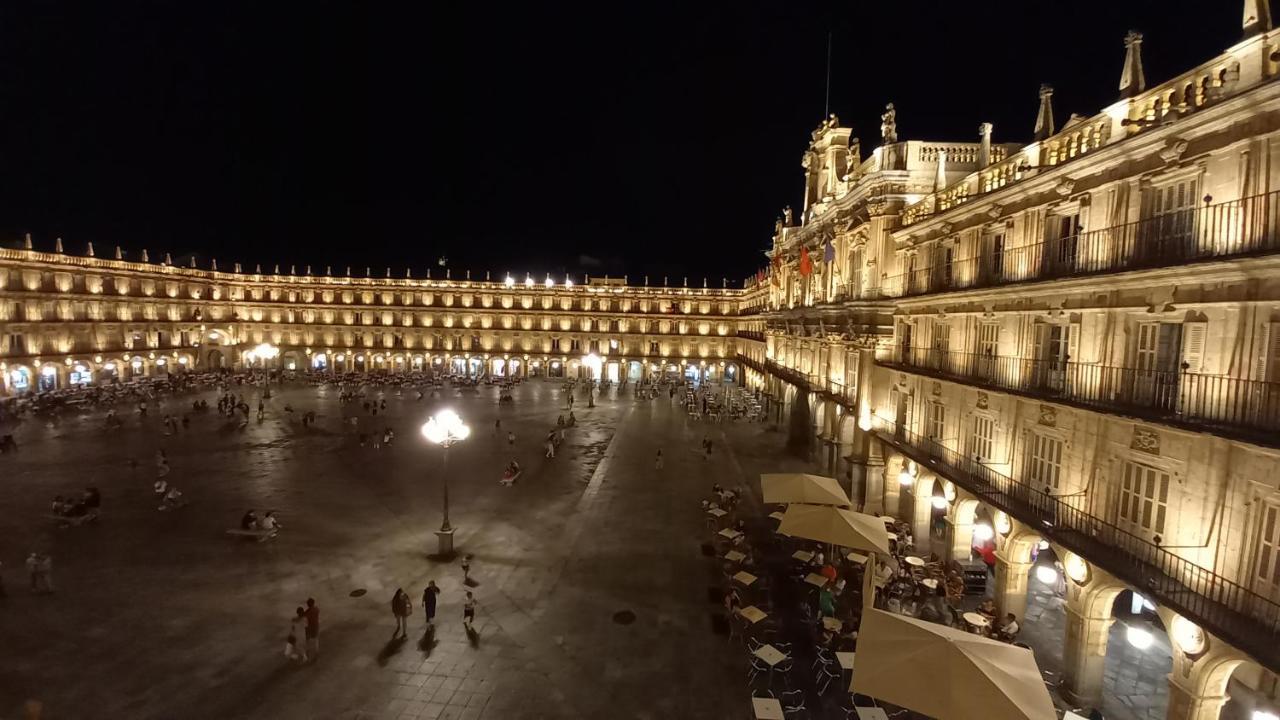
(19,379)
(961,516)
(293,360)
(215,359)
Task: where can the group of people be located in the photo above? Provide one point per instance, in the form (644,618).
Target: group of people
(268,523)
(76,510)
(402,608)
(308,620)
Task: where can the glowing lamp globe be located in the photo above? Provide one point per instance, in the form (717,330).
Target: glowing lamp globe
(445,428)
(905,478)
(940,503)
(1046,575)
(1139,638)
(983,532)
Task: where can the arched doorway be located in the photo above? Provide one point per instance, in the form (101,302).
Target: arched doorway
(320,362)
(49,378)
(216,360)
(18,379)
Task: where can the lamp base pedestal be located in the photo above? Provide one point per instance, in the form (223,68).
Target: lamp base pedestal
(444,543)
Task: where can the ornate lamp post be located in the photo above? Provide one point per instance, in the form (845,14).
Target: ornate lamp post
(444,430)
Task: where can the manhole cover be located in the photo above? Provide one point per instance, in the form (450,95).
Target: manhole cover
(624,617)
(358,592)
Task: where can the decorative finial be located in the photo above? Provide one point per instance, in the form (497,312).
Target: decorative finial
(1257,17)
(1132,80)
(144,256)
(368,271)
(328,270)
(686,281)
(940,174)
(984,147)
(448,274)
(388,272)
(1044,117)
(308,271)
(257,268)
(348,271)
(486,276)
(704,282)
(468,274)
(276,271)
(167,260)
(119,253)
(192,262)
(89,250)
(57,245)
(293,269)
(646,281)
(213,264)
(408,273)
(237,268)
(26,241)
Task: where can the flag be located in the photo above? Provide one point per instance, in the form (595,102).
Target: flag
(806,265)
(776,274)
(829,253)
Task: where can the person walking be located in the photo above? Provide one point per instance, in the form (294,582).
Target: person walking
(657,463)
(33,569)
(469,611)
(296,626)
(313,629)
(429,595)
(466,569)
(511,439)
(401,607)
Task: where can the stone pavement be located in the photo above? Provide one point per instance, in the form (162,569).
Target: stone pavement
(160,615)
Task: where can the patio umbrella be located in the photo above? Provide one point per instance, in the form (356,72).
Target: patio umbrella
(839,526)
(786,488)
(946,673)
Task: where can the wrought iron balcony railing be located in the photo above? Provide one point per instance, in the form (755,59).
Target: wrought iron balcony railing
(751,335)
(1208,232)
(842,393)
(1247,409)
(1231,611)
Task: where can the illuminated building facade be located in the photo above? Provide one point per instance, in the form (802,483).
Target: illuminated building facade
(75,320)
(1069,347)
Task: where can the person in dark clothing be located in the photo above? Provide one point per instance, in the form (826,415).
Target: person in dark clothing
(401,607)
(429,595)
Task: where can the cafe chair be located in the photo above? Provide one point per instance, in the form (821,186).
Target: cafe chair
(793,703)
(826,674)
(758,668)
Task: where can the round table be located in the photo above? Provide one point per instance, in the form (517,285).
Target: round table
(914,561)
(978,621)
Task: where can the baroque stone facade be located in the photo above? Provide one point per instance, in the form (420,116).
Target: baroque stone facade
(72,320)
(1074,342)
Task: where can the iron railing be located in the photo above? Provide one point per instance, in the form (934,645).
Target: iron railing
(1207,232)
(751,335)
(1245,619)
(845,395)
(1248,409)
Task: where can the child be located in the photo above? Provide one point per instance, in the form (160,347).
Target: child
(469,610)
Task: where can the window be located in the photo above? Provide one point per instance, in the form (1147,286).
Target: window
(995,257)
(980,446)
(555,343)
(184,338)
(1171,214)
(1144,497)
(594,346)
(653,347)
(17,344)
(1268,571)
(1044,466)
(575,345)
(1063,243)
(937,421)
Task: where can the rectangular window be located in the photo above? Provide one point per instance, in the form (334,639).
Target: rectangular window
(995,257)
(1044,465)
(937,421)
(17,344)
(185,338)
(984,430)
(653,348)
(1144,497)
(1268,571)
(575,345)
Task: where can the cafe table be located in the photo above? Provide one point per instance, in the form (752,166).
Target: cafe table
(734,556)
(913,561)
(976,620)
(832,624)
(744,578)
(767,708)
(845,659)
(717,512)
(802,555)
(776,516)
(729,534)
(857,558)
(753,614)
(816,580)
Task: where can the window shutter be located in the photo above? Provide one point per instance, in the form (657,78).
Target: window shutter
(1194,335)
(1073,343)
(1268,350)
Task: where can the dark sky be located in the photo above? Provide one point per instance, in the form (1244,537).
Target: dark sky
(647,138)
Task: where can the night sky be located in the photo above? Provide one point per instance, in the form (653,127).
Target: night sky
(607,138)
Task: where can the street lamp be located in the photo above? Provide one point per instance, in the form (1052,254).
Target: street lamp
(444,430)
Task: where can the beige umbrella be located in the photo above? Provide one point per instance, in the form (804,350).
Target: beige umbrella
(946,673)
(786,488)
(838,526)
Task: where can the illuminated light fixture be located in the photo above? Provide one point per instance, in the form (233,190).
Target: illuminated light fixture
(161,362)
(213,335)
(1189,638)
(1264,715)
(555,364)
(983,532)
(1047,574)
(97,358)
(182,360)
(568,282)
(939,502)
(109,366)
(1139,638)
(905,478)
(549,282)
(1042,545)
(48,371)
(1003,524)
(509,281)
(949,491)
(1076,568)
(67,361)
(340,357)
(528,281)
(864,422)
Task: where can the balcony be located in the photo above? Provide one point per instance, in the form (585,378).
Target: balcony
(1239,616)
(751,335)
(1211,232)
(846,395)
(1244,409)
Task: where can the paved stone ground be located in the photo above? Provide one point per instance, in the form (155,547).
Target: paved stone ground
(161,615)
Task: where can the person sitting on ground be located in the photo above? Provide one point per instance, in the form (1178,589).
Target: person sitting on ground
(1009,630)
(270,523)
(249,521)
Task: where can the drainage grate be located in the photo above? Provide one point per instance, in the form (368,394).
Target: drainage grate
(358,592)
(624,617)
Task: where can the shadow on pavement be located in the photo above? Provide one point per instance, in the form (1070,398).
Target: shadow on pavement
(391,648)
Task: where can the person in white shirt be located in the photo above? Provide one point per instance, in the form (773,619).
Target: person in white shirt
(269,523)
(1010,629)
